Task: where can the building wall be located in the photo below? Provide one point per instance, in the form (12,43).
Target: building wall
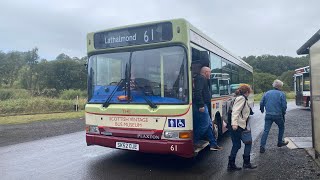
(315,85)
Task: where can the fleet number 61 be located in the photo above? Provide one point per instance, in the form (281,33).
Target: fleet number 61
(174,147)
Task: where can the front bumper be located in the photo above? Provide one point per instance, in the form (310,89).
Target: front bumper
(180,148)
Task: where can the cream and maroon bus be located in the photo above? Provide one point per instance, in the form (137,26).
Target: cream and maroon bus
(140,86)
(302,86)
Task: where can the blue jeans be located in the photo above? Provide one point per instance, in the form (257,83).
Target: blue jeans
(269,119)
(236,143)
(202,125)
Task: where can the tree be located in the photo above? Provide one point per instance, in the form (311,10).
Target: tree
(287,78)
(263,82)
(278,66)
(2,67)
(10,64)
(63,56)
(32,60)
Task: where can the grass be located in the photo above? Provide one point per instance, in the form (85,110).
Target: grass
(36,105)
(22,119)
(289,96)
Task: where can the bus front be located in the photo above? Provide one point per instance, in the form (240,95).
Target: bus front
(138,89)
(302,86)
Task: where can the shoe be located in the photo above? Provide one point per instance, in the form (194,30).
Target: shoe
(232,166)
(247,164)
(283,143)
(262,149)
(215,148)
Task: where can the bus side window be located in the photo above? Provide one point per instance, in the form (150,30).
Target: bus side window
(215,87)
(224,87)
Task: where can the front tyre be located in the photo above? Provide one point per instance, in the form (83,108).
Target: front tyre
(218,126)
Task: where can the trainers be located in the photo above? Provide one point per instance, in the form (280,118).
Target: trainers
(215,148)
(262,149)
(284,143)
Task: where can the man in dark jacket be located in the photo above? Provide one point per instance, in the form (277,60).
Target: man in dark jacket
(202,121)
(274,101)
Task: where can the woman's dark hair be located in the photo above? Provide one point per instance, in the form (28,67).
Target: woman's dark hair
(243,89)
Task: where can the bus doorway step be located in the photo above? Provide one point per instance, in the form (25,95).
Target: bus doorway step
(202,144)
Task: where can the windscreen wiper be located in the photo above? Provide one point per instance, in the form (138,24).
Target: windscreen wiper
(107,103)
(150,103)
(126,82)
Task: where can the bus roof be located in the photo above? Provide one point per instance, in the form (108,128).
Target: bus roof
(222,51)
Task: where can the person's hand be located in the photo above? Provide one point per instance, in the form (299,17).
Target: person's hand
(234,127)
(201,109)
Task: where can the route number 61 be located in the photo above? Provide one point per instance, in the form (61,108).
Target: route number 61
(146,37)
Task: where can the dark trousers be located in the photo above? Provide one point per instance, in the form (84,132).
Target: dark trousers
(236,143)
(269,119)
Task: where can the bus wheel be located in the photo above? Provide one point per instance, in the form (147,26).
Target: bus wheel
(218,124)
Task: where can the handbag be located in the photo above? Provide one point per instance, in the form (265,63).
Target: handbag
(246,135)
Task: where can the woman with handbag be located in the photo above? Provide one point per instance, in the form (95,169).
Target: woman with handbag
(240,131)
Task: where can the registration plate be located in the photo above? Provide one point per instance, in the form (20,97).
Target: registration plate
(129,146)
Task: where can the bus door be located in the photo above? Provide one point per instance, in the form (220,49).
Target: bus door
(299,90)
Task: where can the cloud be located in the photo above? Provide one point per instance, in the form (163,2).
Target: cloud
(246,27)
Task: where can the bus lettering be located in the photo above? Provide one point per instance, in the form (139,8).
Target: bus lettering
(119,39)
(126,111)
(129,119)
(148,136)
(126,124)
(174,147)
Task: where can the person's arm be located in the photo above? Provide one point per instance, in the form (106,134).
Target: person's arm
(284,103)
(262,103)
(236,111)
(198,88)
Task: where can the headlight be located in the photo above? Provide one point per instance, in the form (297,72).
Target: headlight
(177,134)
(92,130)
(171,134)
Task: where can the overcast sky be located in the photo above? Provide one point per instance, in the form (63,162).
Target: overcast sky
(245,27)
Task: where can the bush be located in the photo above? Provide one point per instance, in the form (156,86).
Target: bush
(6,94)
(38,105)
(72,94)
(290,95)
(257,97)
(51,93)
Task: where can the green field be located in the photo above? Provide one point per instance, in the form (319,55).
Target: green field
(22,102)
(21,119)
(289,96)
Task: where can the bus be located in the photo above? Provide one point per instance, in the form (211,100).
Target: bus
(140,80)
(302,86)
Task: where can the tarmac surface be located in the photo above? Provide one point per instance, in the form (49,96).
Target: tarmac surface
(27,153)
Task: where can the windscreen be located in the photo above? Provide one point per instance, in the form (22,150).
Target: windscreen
(157,74)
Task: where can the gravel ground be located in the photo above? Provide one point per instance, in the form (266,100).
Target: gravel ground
(284,163)
(13,134)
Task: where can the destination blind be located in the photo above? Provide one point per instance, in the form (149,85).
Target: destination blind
(133,36)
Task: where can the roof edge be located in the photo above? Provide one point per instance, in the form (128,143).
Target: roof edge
(304,49)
